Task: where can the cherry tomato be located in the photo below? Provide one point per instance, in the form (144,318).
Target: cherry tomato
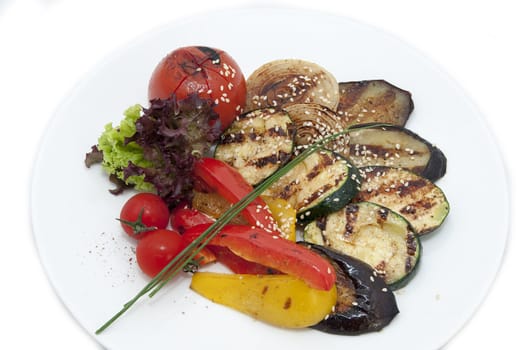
(209,72)
(143,213)
(157,249)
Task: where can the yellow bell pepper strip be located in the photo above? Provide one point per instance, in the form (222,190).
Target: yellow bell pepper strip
(271,250)
(280,300)
(284,214)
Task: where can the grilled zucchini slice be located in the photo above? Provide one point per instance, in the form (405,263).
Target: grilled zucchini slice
(257,143)
(286,82)
(395,146)
(414,197)
(373,101)
(371,233)
(324,182)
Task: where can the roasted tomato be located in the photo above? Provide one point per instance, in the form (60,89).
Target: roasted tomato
(209,72)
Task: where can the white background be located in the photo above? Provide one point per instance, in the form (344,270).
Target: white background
(46,46)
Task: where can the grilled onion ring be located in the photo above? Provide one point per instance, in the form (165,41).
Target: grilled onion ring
(284,82)
(314,122)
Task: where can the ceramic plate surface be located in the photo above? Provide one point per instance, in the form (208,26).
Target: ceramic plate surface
(91,264)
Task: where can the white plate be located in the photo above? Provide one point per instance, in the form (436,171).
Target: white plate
(91,263)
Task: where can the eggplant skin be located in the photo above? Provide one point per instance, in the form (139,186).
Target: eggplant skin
(375,305)
(437,165)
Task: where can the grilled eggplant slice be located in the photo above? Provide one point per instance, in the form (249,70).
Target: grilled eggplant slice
(364,302)
(395,146)
(373,101)
(416,198)
(373,234)
(285,82)
(257,143)
(324,182)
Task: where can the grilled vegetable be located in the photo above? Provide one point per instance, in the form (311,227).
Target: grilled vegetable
(373,234)
(395,146)
(238,264)
(373,101)
(364,303)
(323,183)
(285,82)
(314,122)
(284,215)
(257,143)
(416,198)
(268,249)
(214,205)
(220,177)
(280,300)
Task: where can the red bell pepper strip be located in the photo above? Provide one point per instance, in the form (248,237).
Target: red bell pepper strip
(184,217)
(204,256)
(237,264)
(231,185)
(257,245)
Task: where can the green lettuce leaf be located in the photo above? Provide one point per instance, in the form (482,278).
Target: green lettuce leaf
(117,153)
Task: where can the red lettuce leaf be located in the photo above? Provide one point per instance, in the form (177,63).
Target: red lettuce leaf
(174,134)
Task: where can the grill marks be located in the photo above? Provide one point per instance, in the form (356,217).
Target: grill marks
(395,146)
(373,234)
(316,183)
(351,211)
(417,199)
(374,101)
(257,143)
(241,136)
(286,82)
(273,159)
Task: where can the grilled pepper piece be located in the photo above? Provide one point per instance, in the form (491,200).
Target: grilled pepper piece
(284,214)
(259,246)
(238,264)
(280,300)
(230,184)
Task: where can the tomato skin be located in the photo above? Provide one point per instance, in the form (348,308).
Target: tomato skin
(157,249)
(147,209)
(209,72)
